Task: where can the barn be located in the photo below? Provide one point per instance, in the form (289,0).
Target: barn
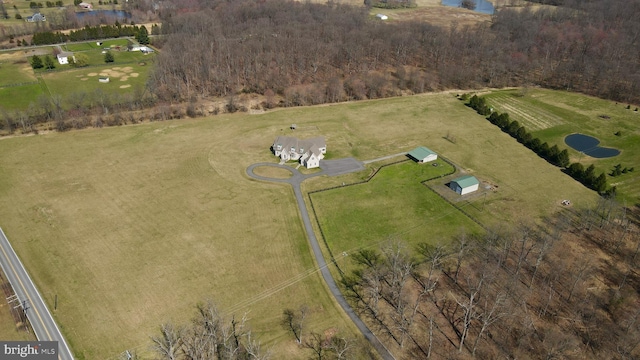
(464,184)
(422,154)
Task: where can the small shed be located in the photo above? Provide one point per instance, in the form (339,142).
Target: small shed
(422,154)
(382,16)
(103,79)
(464,184)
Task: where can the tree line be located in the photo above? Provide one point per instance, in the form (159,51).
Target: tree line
(552,154)
(89,33)
(565,290)
(311,53)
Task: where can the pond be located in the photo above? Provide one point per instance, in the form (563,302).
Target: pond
(119,14)
(588,145)
(482,6)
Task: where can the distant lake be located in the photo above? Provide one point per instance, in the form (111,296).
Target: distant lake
(119,14)
(482,6)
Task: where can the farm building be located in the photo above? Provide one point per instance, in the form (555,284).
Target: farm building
(422,154)
(63,57)
(85,5)
(464,184)
(36,17)
(382,17)
(309,152)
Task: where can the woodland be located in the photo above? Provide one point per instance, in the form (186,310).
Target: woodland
(312,53)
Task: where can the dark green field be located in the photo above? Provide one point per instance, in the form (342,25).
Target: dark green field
(394,205)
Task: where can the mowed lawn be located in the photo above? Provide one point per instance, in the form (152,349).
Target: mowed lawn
(131,226)
(552,115)
(394,205)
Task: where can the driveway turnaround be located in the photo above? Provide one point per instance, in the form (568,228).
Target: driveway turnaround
(39,316)
(334,167)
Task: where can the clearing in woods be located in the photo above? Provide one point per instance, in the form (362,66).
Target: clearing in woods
(131,226)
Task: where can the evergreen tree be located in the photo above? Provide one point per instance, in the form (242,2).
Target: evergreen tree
(563,158)
(108,57)
(36,62)
(48,63)
(143,36)
(600,183)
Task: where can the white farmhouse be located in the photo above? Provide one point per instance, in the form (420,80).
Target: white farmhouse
(309,152)
(63,57)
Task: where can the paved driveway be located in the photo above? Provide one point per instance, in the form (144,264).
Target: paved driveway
(331,168)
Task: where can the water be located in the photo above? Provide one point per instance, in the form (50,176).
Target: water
(119,14)
(482,6)
(588,145)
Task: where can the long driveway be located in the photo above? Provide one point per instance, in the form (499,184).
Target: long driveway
(39,316)
(331,168)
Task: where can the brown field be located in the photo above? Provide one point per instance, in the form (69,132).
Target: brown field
(131,226)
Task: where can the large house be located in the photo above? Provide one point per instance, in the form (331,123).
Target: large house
(309,152)
(36,17)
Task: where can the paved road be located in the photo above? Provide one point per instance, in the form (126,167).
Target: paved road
(335,167)
(39,316)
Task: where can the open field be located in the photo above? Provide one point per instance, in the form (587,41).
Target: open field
(131,226)
(552,115)
(127,73)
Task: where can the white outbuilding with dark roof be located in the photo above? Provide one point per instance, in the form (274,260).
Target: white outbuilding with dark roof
(464,184)
(422,154)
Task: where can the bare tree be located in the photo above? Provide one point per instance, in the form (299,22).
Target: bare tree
(294,321)
(168,344)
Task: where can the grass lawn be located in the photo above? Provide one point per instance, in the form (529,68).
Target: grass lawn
(552,115)
(15,73)
(131,226)
(393,205)
(19,97)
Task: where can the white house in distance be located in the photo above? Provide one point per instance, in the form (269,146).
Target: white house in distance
(309,152)
(422,154)
(464,184)
(35,18)
(63,57)
(85,5)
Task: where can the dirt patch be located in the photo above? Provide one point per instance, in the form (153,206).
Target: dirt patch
(124,78)
(92,74)
(125,86)
(84,79)
(134,75)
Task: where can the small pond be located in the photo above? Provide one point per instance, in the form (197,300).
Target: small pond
(482,6)
(120,14)
(588,145)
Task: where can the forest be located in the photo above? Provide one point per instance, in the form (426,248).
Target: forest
(312,53)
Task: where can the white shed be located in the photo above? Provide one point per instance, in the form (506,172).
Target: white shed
(422,154)
(382,16)
(464,184)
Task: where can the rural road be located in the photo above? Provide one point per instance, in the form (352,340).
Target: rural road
(39,316)
(330,168)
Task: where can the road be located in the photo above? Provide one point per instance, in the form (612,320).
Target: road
(342,166)
(39,316)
